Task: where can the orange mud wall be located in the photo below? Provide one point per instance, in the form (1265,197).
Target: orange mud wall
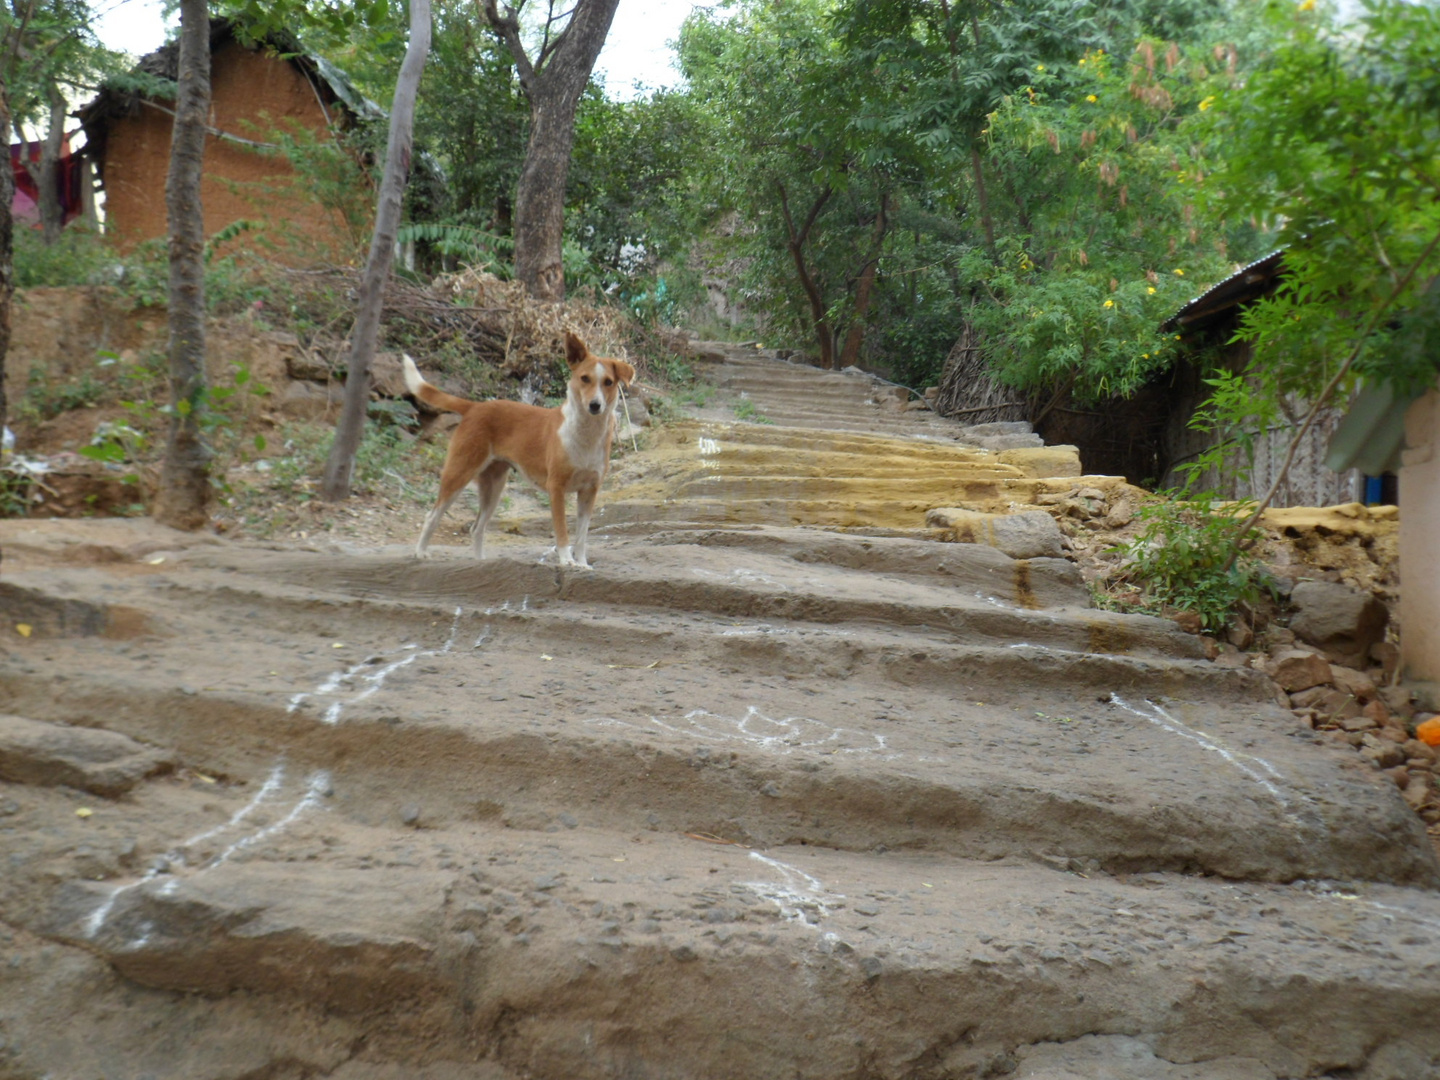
(251,94)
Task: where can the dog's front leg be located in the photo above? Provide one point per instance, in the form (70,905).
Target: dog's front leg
(584,507)
(562,532)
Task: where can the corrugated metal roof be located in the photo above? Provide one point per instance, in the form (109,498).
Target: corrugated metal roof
(1248,282)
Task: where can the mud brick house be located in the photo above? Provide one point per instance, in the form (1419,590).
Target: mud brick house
(257,88)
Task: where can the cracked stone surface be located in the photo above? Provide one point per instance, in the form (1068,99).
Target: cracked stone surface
(753,798)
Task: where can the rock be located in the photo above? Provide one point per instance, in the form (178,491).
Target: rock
(1008,442)
(102,762)
(1279,637)
(1417,790)
(1121,514)
(999,427)
(1353,682)
(1397,699)
(1297,669)
(1239,634)
(1387,655)
(1376,711)
(1189,621)
(639,414)
(1029,535)
(1044,461)
(1343,622)
(387,375)
(1310,698)
(1383,754)
(311,366)
(311,400)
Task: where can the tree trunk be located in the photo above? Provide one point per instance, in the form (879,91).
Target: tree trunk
(7,252)
(366,330)
(52,213)
(553,85)
(184,498)
(850,355)
(819,317)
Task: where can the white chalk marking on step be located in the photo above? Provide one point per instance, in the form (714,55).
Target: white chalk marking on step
(799,897)
(319,783)
(97,918)
(742,576)
(708,447)
(371,681)
(784,631)
(756,729)
(1388,911)
(1164,720)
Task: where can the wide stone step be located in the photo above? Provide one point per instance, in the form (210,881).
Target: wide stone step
(610,720)
(580,954)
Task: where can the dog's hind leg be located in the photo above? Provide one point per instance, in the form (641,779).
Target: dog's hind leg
(453,479)
(491,485)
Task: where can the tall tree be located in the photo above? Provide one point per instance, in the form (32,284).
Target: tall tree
(184,497)
(800,154)
(366,330)
(553,82)
(57,50)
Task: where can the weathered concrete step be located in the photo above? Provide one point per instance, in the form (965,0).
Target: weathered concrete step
(592,955)
(666,739)
(735,583)
(939,490)
(982,495)
(712,440)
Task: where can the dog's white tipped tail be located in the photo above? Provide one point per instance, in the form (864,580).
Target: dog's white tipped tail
(413,381)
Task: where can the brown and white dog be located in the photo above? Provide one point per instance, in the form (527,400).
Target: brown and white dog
(559,450)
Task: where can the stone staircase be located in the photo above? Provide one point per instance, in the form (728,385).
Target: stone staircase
(785,787)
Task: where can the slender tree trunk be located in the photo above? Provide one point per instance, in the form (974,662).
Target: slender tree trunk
(7,252)
(819,317)
(865,286)
(552,84)
(52,212)
(540,196)
(183,501)
(45,173)
(366,331)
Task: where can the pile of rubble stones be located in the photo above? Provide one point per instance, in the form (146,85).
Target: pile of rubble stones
(1338,674)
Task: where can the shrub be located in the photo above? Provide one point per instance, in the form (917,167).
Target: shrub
(1179,557)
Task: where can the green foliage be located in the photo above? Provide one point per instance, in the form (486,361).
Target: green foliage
(79,257)
(1181,557)
(746,411)
(1100,159)
(223,409)
(1335,141)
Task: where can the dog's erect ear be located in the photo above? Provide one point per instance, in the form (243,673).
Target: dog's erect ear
(624,372)
(575,349)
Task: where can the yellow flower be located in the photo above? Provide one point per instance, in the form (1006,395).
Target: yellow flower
(1144,356)
(1109,303)
(1211,100)
(1039,67)
(1151,290)
(1179,273)
(1091,98)
(1082,61)
(1308,5)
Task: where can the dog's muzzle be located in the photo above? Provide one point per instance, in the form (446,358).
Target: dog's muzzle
(594,408)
